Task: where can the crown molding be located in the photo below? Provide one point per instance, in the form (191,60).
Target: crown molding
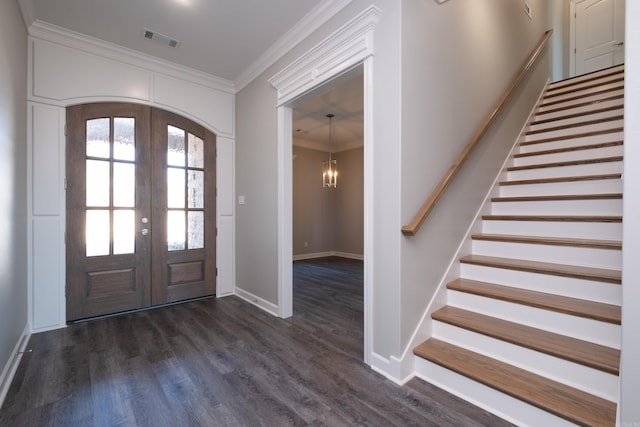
(313,20)
(318,146)
(347,47)
(28,12)
(52,33)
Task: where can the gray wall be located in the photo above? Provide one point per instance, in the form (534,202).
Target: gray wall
(349,202)
(457,60)
(437,71)
(13,178)
(328,219)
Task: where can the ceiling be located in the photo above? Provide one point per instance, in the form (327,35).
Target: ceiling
(225,38)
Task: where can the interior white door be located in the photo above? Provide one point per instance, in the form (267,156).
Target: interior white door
(599,34)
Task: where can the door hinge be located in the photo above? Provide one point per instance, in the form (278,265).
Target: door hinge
(216,271)
(65,182)
(65,129)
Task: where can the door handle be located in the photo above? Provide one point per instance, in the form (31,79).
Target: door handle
(144,231)
(619,44)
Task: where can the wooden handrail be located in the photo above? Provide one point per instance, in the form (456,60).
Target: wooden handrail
(412,228)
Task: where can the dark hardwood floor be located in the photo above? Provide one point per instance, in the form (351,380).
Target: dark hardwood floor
(218,362)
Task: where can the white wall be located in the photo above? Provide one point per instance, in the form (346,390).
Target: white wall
(630,370)
(65,69)
(13,188)
(458,58)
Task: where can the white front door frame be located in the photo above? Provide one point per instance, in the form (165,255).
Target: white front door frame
(350,46)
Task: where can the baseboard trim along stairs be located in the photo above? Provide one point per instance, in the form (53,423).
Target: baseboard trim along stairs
(531,328)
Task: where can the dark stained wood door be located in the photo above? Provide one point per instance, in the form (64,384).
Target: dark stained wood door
(131,243)
(108,197)
(184,194)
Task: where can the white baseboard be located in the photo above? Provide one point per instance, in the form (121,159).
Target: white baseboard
(391,369)
(265,305)
(328,254)
(12,364)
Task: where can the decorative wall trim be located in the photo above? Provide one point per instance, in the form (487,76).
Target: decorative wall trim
(319,146)
(64,37)
(316,255)
(303,29)
(267,306)
(11,366)
(338,53)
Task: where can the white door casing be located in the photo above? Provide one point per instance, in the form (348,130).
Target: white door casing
(350,46)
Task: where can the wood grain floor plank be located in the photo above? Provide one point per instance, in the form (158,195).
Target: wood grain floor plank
(226,362)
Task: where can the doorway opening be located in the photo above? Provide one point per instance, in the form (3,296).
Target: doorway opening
(328,222)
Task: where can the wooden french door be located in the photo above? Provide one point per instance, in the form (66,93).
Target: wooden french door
(140,209)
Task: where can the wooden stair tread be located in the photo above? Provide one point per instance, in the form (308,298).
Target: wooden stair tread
(563,179)
(560,91)
(585,353)
(553,218)
(563,401)
(576,307)
(611,159)
(551,241)
(560,197)
(577,115)
(584,95)
(579,105)
(576,124)
(577,272)
(569,149)
(562,84)
(572,136)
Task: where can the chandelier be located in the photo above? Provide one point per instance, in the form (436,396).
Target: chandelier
(330,167)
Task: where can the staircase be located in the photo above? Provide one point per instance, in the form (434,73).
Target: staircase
(531,329)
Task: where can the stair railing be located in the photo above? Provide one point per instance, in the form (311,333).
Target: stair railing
(412,228)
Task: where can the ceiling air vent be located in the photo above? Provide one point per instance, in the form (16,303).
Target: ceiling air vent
(160,38)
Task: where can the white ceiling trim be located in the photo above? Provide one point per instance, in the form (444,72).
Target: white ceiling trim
(347,47)
(53,33)
(28,12)
(303,29)
(305,143)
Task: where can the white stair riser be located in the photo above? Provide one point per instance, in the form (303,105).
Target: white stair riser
(559,323)
(573,230)
(591,78)
(585,257)
(567,156)
(606,207)
(589,290)
(568,121)
(574,130)
(574,142)
(574,375)
(582,92)
(579,108)
(500,404)
(562,188)
(551,105)
(566,171)
(600,81)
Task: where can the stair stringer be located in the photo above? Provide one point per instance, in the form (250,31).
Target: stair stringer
(406,363)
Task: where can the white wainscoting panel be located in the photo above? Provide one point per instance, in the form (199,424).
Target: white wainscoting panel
(225,251)
(211,107)
(61,73)
(47,175)
(48,289)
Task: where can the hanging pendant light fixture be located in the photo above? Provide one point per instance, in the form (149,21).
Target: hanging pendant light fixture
(330,167)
